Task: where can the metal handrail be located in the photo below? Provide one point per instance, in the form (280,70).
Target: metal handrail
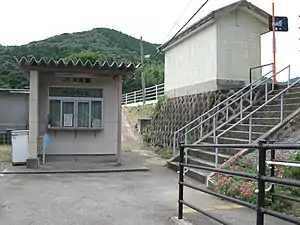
(256,110)
(220,110)
(151,93)
(240,97)
(217,107)
(257,67)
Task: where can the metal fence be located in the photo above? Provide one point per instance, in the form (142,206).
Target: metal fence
(261,178)
(151,94)
(5,137)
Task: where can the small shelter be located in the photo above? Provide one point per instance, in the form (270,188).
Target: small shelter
(216,52)
(78,105)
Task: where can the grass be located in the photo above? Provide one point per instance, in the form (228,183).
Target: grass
(5,152)
(5,156)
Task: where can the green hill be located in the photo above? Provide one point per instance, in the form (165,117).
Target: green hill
(99,43)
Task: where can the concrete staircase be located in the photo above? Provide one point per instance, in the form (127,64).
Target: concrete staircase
(262,122)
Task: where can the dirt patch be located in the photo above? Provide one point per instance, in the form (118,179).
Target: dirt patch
(138,112)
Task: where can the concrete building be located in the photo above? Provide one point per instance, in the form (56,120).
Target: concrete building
(216,52)
(79,105)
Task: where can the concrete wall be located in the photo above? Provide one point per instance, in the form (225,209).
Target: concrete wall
(68,142)
(239,45)
(217,56)
(14,110)
(191,65)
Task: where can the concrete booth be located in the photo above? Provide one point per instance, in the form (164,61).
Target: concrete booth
(216,52)
(78,106)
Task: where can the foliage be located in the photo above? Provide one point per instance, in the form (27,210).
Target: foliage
(211,99)
(97,44)
(87,55)
(146,136)
(165,153)
(244,189)
(158,105)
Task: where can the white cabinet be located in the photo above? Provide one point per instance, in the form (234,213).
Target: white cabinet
(19,146)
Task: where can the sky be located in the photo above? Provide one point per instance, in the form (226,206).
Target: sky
(24,21)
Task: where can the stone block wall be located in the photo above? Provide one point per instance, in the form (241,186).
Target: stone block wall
(175,113)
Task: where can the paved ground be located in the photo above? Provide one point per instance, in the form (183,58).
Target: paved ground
(138,198)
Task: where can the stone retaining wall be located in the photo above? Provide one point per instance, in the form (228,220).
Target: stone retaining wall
(175,113)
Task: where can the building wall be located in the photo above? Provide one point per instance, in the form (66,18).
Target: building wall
(191,65)
(14,111)
(69,142)
(239,45)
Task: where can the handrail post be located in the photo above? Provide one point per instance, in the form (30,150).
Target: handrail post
(227,110)
(251,95)
(181,180)
(156,92)
(281,108)
(241,107)
(289,76)
(261,183)
(250,129)
(126,98)
(250,75)
(201,127)
(185,142)
(214,127)
(215,141)
(216,153)
(273,157)
(266,92)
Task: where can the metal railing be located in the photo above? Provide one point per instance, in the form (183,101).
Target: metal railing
(257,67)
(151,94)
(261,178)
(225,105)
(250,115)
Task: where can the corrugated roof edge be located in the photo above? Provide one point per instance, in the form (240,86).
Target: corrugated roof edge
(32,61)
(211,16)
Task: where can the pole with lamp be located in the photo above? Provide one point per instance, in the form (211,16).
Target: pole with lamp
(142,74)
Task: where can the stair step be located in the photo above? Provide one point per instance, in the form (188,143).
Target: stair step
(199,175)
(262,114)
(199,162)
(276,107)
(226,140)
(241,134)
(286,100)
(294,89)
(264,121)
(245,127)
(224,151)
(286,95)
(208,155)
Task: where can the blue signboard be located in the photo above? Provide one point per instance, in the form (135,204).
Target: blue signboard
(281,23)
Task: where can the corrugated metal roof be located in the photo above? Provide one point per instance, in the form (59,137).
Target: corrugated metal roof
(212,15)
(16,91)
(33,62)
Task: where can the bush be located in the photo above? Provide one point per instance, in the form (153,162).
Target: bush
(244,189)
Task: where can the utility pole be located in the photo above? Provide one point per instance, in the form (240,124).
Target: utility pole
(142,74)
(274,42)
